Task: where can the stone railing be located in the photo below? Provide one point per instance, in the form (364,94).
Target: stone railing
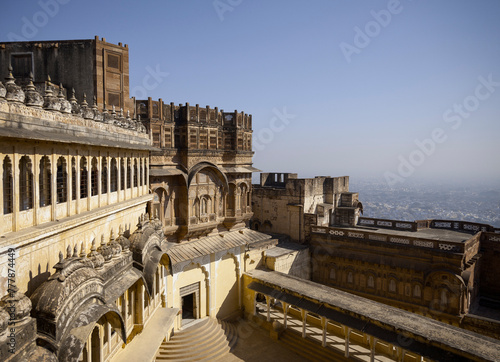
(388,224)
(495,237)
(340,233)
(463,226)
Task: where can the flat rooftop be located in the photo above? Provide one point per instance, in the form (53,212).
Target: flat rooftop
(431,233)
(378,319)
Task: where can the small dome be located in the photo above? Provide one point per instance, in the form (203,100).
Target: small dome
(19,304)
(65,105)
(32,97)
(14,92)
(51,102)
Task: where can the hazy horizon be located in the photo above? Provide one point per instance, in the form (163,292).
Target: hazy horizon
(392,90)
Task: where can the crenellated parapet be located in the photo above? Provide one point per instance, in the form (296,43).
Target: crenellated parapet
(194,127)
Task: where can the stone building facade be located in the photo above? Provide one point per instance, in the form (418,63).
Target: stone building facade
(285,204)
(105,232)
(93,67)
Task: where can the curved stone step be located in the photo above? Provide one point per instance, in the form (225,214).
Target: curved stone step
(205,341)
(231,331)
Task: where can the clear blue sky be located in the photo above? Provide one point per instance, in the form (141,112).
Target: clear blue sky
(363,79)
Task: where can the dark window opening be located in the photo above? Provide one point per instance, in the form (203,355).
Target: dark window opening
(7,185)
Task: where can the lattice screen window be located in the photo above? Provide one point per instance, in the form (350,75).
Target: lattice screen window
(73,179)
(114,175)
(94,177)
(104,175)
(83,178)
(7,186)
(61,180)
(44,182)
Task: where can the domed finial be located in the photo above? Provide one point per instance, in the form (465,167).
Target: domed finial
(61,257)
(84,102)
(93,247)
(10,78)
(75,251)
(104,110)
(121,112)
(120,230)
(113,110)
(73,99)
(102,240)
(68,252)
(128,115)
(30,85)
(61,92)
(112,236)
(94,106)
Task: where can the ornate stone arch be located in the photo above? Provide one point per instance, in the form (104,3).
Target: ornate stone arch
(69,304)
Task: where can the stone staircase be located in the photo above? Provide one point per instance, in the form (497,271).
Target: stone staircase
(207,340)
(309,349)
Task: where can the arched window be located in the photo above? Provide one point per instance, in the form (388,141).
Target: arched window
(231,200)
(122,174)
(417,292)
(204,206)
(44,182)
(332,273)
(73,179)
(104,175)
(94,177)
(350,278)
(243,197)
(196,207)
(84,189)
(444,298)
(392,286)
(25,184)
(62,177)
(7,186)
(114,175)
(135,173)
(129,173)
(371,281)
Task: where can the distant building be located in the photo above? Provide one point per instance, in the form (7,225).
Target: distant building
(286,204)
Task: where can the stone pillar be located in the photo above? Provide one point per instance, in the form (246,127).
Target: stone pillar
(254,311)
(89,181)
(53,185)
(36,187)
(78,182)
(285,313)
(324,324)
(304,322)
(15,190)
(268,303)
(99,180)
(373,343)
(347,332)
(140,309)
(238,276)
(118,178)
(69,184)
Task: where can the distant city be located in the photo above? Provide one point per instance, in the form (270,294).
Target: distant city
(478,203)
